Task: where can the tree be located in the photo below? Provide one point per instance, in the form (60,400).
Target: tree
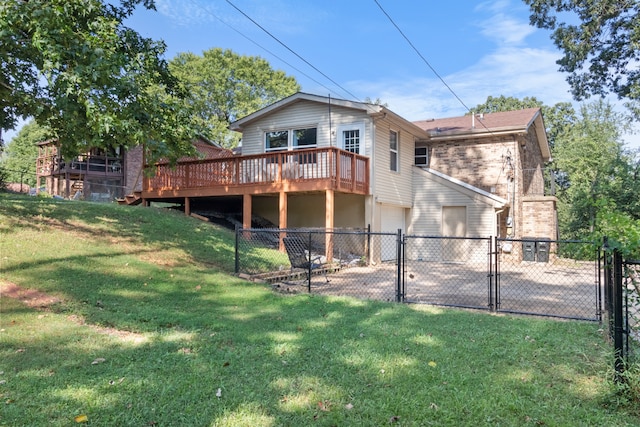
(600,50)
(21,153)
(75,68)
(598,168)
(505,103)
(224,86)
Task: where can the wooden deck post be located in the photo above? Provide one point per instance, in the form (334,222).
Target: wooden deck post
(246,212)
(328,223)
(187,206)
(282,224)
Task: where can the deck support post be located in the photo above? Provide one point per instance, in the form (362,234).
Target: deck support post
(282,224)
(187,206)
(328,223)
(246,212)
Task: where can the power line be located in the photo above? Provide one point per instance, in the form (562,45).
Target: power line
(260,46)
(429,65)
(421,56)
(292,51)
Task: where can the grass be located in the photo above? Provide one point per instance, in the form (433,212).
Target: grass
(150,329)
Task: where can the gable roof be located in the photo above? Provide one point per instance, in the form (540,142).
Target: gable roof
(463,187)
(489,124)
(373,110)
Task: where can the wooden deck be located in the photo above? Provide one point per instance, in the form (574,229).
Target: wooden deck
(308,170)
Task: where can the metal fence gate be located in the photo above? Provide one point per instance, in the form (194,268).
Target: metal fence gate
(546,278)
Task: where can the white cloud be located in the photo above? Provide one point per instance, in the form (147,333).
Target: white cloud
(505,30)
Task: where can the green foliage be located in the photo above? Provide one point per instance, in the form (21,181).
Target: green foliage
(599,40)
(223,86)
(591,153)
(622,231)
(21,153)
(75,67)
(506,103)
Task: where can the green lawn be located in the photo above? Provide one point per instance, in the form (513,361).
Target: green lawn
(149,329)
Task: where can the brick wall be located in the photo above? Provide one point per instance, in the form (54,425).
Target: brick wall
(133,170)
(495,164)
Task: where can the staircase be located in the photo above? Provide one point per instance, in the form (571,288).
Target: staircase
(131,199)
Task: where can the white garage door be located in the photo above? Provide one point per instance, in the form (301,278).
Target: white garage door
(391,219)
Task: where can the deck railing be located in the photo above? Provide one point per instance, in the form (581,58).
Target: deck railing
(53,165)
(320,168)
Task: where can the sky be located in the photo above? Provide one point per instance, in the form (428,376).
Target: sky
(423,59)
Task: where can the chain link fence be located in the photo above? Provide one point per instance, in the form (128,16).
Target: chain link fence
(550,278)
(561,280)
(356,263)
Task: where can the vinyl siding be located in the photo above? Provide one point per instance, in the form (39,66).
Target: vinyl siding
(431,195)
(390,187)
(301,115)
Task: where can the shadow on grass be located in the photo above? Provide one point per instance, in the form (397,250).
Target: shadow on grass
(215,350)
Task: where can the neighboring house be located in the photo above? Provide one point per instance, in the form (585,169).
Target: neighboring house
(100,175)
(314,161)
(97,175)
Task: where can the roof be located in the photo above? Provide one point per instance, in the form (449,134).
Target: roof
(519,119)
(374,110)
(488,124)
(208,150)
(461,186)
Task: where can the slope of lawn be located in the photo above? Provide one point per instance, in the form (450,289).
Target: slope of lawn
(128,316)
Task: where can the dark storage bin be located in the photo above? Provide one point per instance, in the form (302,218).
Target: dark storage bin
(528,250)
(542,250)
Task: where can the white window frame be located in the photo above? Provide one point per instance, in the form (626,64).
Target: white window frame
(290,139)
(340,131)
(394,166)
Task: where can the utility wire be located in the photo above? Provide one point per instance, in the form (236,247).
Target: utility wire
(421,56)
(428,64)
(260,46)
(292,51)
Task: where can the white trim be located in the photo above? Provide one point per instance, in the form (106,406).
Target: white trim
(360,127)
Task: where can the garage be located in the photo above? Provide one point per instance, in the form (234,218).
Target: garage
(391,219)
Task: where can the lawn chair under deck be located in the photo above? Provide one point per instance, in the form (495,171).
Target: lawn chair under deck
(299,253)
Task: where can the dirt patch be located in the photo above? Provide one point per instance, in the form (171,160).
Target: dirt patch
(42,301)
(30,297)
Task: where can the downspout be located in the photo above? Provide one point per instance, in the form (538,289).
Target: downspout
(330,126)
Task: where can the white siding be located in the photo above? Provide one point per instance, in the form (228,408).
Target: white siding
(431,195)
(389,187)
(301,114)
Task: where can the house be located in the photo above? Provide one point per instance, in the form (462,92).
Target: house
(315,161)
(101,175)
(97,174)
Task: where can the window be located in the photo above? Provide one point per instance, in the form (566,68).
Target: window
(300,138)
(421,156)
(304,138)
(277,140)
(393,150)
(351,140)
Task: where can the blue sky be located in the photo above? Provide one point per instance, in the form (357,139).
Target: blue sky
(479,49)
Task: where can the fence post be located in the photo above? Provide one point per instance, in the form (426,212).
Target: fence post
(309,264)
(368,244)
(237,264)
(493,254)
(608,283)
(399,265)
(618,328)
